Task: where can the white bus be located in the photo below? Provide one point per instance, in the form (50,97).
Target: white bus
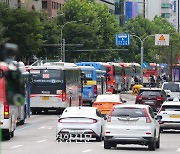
(54,86)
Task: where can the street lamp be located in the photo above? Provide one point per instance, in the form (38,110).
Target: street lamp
(63,40)
(142,52)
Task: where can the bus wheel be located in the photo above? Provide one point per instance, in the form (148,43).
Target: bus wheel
(34,112)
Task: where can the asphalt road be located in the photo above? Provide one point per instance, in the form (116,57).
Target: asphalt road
(37,136)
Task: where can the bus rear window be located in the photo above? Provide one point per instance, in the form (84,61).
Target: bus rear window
(47,76)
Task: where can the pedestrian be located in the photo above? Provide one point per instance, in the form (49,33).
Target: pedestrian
(152,81)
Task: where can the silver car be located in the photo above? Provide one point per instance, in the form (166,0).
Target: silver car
(80,123)
(132,124)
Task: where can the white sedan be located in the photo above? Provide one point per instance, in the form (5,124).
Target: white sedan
(80,123)
(170,112)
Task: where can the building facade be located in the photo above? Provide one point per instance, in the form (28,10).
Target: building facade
(28,4)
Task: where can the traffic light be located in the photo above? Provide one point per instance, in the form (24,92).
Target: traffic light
(15,89)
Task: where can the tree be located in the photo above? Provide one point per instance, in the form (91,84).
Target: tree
(23,28)
(96,30)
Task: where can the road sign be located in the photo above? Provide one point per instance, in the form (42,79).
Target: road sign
(162,39)
(122,39)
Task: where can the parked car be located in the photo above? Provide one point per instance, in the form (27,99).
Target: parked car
(151,96)
(132,124)
(172,89)
(170,112)
(79,122)
(105,102)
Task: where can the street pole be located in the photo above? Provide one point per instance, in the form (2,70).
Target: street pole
(64,54)
(142,52)
(62,44)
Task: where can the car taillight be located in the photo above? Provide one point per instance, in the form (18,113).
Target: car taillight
(95,89)
(97,104)
(63,95)
(6,111)
(139,97)
(109,119)
(159,98)
(148,119)
(60,120)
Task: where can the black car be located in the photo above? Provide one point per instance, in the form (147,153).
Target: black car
(151,96)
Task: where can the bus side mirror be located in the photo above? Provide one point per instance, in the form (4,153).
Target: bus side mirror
(83,78)
(1,73)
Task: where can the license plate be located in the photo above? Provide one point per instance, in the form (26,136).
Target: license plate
(149,102)
(174,116)
(45,98)
(76,131)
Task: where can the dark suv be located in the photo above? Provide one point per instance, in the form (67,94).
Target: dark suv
(151,96)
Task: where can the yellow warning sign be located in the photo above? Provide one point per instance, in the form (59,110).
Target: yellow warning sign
(162,38)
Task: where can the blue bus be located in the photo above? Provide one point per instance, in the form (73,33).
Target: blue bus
(95,83)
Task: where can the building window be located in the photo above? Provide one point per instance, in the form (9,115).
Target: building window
(44,4)
(165,5)
(165,15)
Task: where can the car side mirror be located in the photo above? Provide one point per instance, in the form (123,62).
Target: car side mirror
(105,117)
(158,117)
(124,101)
(168,96)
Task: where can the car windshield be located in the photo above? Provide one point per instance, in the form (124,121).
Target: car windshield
(78,112)
(150,93)
(128,112)
(171,86)
(171,108)
(108,98)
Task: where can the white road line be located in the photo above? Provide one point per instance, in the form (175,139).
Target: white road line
(178,150)
(45,127)
(41,127)
(17,146)
(40,141)
(88,150)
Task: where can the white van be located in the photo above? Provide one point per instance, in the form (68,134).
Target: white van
(172,89)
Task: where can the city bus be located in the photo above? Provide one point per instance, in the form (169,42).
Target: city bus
(95,84)
(176,72)
(54,86)
(117,77)
(130,70)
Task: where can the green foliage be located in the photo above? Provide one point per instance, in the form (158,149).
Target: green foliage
(96,30)
(142,28)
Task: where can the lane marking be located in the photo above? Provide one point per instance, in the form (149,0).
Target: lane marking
(88,150)
(17,146)
(45,127)
(178,150)
(25,127)
(40,141)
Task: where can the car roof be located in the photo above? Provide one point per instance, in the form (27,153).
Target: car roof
(108,98)
(171,103)
(80,111)
(131,105)
(151,89)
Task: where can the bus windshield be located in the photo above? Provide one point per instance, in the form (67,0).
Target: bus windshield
(46,76)
(46,81)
